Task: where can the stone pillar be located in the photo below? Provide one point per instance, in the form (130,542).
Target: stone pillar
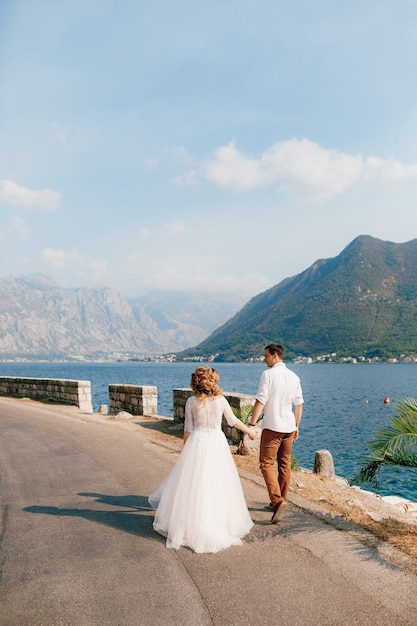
(236,401)
(84,396)
(323,464)
(134,399)
(179,399)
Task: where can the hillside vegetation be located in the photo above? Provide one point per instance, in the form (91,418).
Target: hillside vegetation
(361,303)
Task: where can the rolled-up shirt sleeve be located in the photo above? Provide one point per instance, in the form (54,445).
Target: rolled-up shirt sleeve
(262,393)
(298,397)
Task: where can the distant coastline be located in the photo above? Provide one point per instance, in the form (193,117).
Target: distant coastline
(172,358)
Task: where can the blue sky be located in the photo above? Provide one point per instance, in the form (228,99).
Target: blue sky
(218,145)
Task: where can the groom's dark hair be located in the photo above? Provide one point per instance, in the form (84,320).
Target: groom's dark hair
(275,348)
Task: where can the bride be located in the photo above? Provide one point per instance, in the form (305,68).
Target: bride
(201,504)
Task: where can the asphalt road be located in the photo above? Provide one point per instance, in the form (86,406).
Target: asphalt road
(78,548)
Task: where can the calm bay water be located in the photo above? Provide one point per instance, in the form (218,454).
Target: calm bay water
(344,404)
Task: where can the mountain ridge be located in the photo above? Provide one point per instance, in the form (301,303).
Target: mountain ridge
(361,302)
(40,318)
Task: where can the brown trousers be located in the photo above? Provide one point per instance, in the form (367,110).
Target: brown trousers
(276,447)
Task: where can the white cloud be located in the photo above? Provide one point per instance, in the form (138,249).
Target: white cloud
(174,228)
(95,271)
(143,273)
(187,180)
(248,284)
(230,168)
(95,265)
(20,226)
(181,154)
(151,164)
(388,170)
(302,164)
(44,199)
(87,268)
(58,258)
(144,233)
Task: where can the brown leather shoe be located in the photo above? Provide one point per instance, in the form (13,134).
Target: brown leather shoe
(279,510)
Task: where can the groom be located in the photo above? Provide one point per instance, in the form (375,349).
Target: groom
(278,392)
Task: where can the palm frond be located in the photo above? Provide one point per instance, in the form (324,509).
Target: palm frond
(244,414)
(395,444)
(368,474)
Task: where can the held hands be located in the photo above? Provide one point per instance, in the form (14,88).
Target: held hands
(253,433)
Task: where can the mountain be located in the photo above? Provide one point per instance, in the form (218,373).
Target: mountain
(42,319)
(186,318)
(361,302)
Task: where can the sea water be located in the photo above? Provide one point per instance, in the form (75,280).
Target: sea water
(343,403)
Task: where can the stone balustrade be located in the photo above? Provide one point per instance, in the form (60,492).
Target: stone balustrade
(179,399)
(134,399)
(67,392)
(236,401)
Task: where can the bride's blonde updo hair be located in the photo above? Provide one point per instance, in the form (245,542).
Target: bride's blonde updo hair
(204,382)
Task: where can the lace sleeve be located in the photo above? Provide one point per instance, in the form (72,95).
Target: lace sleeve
(228,413)
(188,423)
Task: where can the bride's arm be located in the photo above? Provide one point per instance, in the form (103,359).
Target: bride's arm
(251,432)
(188,422)
(232,420)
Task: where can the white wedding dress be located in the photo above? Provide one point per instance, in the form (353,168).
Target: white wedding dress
(201,503)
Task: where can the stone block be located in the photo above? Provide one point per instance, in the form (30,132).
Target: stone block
(323,464)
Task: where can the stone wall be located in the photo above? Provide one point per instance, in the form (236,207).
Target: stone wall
(67,392)
(236,401)
(134,399)
(179,398)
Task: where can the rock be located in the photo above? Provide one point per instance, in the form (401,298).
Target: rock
(355,502)
(342,481)
(124,415)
